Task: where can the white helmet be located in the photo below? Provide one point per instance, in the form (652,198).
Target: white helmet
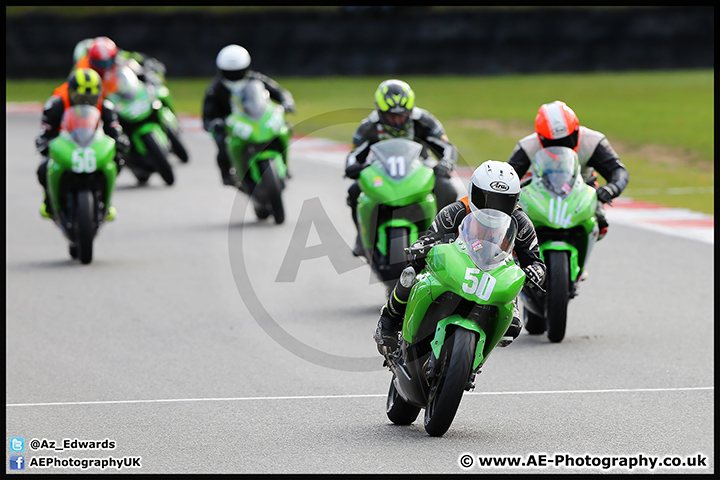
(232,63)
(494,185)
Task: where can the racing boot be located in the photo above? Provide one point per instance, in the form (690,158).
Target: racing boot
(513,330)
(386,334)
(111,214)
(46,208)
(392,313)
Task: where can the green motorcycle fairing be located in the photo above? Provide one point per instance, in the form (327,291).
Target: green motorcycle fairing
(136,104)
(396,177)
(85,149)
(558,202)
(250,129)
(481,294)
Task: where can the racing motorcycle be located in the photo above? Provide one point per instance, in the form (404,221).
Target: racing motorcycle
(148,123)
(396,205)
(562,206)
(257,142)
(459,308)
(81,174)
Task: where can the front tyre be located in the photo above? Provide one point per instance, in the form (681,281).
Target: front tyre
(398,239)
(558,294)
(398,410)
(272,186)
(85,226)
(448,385)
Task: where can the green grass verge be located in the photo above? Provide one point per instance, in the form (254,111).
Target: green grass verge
(660,123)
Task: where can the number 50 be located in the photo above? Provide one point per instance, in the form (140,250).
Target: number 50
(483,287)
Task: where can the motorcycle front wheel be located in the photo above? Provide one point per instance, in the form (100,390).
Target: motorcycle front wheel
(273,190)
(84,226)
(558,288)
(448,385)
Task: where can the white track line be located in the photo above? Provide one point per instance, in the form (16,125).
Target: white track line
(327,397)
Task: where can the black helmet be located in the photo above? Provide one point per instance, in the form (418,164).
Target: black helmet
(84,87)
(394,100)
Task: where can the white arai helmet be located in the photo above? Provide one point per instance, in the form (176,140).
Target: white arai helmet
(494,185)
(232,63)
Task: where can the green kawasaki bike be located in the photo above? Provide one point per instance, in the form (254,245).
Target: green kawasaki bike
(562,208)
(81,175)
(257,140)
(458,309)
(152,127)
(396,205)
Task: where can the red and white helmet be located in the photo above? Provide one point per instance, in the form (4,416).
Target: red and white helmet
(101,55)
(557,125)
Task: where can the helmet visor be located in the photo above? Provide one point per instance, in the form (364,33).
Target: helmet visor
(395,119)
(77,98)
(498,201)
(569,141)
(233,75)
(102,65)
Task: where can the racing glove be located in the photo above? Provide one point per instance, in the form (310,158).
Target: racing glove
(534,274)
(607,192)
(42,145)
(353,170)
(122,143)
(443,169)
(289,107)
(216,127)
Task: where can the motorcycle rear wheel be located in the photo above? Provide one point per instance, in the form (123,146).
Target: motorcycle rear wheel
(398,410)
(448,386)
(558,294)
(159,158)
(177,146)
(84,226)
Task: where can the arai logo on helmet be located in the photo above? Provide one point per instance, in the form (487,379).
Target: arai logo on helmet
(501,186)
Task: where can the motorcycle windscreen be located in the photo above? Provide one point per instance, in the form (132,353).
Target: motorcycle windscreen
(489,237)
(81,123)
(397,157)
(128,84)
(558,168)
(252,99)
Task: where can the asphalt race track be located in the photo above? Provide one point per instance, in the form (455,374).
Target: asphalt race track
(200,340)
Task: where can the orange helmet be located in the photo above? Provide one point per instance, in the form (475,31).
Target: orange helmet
(557,125)
(101,55)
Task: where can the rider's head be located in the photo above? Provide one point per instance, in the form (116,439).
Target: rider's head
(84,87)
(394,100)
(232,64)
(557,125)
(494,185)
(101,55)
(81,49)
